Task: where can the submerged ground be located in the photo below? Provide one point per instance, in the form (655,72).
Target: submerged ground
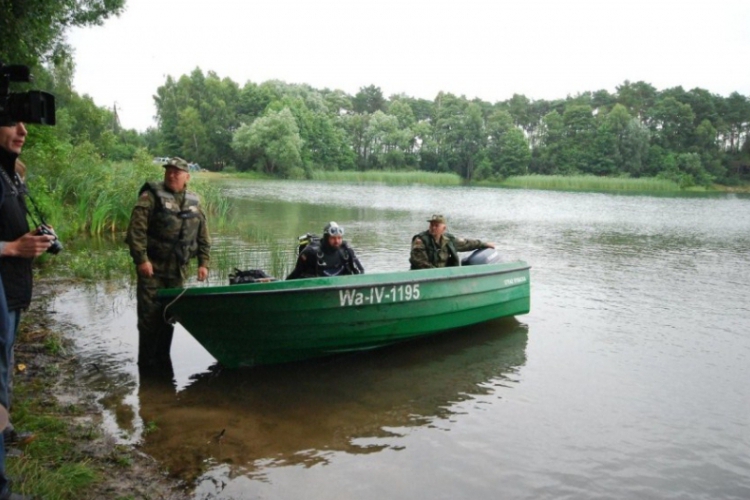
(66,418)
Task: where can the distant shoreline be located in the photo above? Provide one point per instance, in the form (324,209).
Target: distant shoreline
(549,182)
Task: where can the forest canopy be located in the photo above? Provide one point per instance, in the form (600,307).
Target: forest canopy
(290,130)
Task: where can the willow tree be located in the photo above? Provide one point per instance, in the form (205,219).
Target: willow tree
(271,144)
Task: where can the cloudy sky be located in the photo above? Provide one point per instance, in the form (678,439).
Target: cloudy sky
(491,49)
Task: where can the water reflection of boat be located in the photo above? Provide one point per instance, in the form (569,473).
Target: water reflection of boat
(300,413)
(264,323)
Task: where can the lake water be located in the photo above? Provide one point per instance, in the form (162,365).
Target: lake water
(628,379)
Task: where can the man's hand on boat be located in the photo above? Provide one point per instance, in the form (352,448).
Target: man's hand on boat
(202,273)
(145,269)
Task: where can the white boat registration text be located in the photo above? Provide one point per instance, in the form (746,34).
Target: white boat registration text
(378,295)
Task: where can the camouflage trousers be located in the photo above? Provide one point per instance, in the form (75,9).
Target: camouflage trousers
(154,332)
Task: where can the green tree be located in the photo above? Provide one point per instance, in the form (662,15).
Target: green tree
(422,109)
(579,129)
(387,142)
(324,144)
(621,144)
(551,145)
(636,97)
(685,169)
(193,134)
(196,116)
(514,154)
(736,116)
(671,123)
(252,101)
(356,126)
(32,31)
(507,150)
(460,134)
(402,111)
(705,145)
(337,101)
(519,107)
(271,144)
(369,100)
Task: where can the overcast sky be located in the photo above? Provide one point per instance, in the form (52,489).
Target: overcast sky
(543,49)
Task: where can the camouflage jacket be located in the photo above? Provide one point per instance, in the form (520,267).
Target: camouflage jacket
(167,225)
(427,253)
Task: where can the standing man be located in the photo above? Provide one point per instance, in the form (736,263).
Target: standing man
(18,248)
(5,483)
(436,248)
(167,228)
(331,256)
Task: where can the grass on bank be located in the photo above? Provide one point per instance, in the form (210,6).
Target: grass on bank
(590,183)
(53,465)
(550,182)
(389,178)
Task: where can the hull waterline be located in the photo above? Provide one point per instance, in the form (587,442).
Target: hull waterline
(266,323)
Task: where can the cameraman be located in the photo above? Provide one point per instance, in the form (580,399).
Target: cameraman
(18,247)
(5,482)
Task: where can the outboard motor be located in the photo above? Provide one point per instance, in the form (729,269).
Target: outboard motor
(483,256)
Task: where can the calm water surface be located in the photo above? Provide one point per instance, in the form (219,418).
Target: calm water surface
(628,379)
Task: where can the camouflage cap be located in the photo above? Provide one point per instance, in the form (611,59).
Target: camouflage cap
(178,163)
(437,218)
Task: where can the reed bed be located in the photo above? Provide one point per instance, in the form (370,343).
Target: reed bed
(389,177)
(229,254)
(251,247)
(82,194)
(590,183)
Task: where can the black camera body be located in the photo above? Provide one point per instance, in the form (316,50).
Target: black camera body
(56,246)
(34,106)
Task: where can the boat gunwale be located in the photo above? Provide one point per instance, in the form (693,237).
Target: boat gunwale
(205,292)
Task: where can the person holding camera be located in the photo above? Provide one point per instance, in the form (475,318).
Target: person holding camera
(5,482)
(19,245)
(167,228)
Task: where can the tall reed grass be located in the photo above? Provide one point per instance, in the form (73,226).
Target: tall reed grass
(230,254)
(590,183)
(389,177)
(82,194)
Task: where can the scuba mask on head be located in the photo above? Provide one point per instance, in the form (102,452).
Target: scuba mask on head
(333,229)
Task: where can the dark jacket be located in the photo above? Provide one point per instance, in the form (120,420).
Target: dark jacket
(15,271)
(320,259)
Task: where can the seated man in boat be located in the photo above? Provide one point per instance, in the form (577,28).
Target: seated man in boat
(436,248)
(331,256)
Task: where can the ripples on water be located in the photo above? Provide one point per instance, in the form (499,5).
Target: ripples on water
(628,379)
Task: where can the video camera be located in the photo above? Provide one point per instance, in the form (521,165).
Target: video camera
(33,106)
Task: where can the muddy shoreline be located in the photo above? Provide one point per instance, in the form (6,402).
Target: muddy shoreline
(54,379)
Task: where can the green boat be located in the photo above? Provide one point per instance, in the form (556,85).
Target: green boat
(279,321)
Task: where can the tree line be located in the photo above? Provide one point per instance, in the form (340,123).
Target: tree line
(290,130)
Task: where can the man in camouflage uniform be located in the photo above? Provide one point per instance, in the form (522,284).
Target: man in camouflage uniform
(436,248)
(167,228)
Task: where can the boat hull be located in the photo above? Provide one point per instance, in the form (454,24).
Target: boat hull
(266,323)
